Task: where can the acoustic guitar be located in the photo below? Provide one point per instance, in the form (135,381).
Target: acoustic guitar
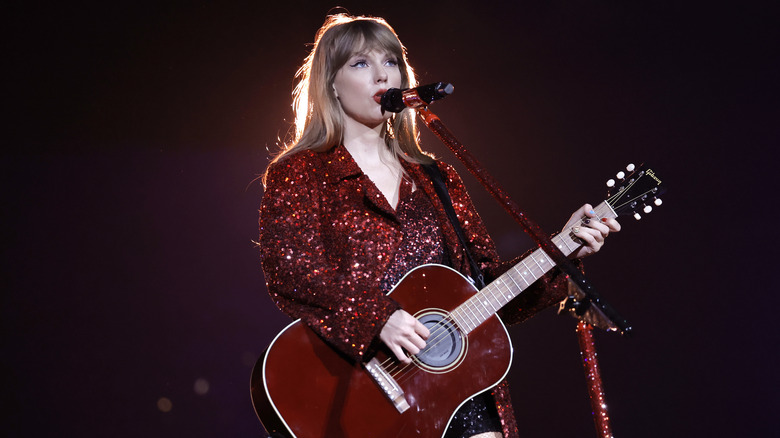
(303,387)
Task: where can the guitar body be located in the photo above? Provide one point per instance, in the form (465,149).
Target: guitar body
(303,387)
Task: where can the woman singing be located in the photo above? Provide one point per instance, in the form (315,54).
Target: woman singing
(348,210)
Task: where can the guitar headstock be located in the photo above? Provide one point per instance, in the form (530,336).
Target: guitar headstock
(636,192)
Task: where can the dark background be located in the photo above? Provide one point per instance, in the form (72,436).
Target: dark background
(134,132)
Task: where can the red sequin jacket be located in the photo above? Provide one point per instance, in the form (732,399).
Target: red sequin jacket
(328,235)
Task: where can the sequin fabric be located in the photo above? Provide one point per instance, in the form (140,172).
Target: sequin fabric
(421,242)
(329,239)
(476,416)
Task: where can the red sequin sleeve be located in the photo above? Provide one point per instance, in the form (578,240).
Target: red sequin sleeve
(549,290)
(302,278)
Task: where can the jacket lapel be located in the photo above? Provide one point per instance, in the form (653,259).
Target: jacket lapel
(342,166)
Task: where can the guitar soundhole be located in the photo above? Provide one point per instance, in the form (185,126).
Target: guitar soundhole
(445,346)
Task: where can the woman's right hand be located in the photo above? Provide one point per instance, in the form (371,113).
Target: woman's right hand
(402,332)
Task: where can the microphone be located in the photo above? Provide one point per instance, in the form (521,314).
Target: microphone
(395,100)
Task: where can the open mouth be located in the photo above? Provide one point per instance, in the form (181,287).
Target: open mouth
(378,95)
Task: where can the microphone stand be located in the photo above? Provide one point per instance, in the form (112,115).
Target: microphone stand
(590,363)
(583,301)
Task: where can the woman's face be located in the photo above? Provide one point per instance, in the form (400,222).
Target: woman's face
(360,83)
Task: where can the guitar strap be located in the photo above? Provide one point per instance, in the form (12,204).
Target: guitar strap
(444,195)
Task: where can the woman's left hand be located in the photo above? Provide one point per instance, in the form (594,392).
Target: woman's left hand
(590,230)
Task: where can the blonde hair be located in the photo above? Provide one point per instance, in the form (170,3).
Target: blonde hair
(318,118)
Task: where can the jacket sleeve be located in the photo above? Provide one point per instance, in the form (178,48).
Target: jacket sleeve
(549,290)
(301,279)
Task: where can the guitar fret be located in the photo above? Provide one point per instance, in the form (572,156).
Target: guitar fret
(472,323)
(537,264)
(469,314)
(559,243)
(456,316)
(524,274)
(511,294)
(504,289)
(491,305)
(511,277)
(470,307)
(477,305)
(490,298)
(569,250)
(501,295)
(521,277)
(496,292)
(460,319)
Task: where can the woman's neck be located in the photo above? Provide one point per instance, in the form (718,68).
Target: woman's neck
(376,160)
(365,144)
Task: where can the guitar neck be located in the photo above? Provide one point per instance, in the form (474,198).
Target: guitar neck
(512,283)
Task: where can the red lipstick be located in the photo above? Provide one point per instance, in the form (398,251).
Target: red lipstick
(378,95)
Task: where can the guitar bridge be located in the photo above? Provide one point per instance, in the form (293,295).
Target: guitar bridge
(388,385)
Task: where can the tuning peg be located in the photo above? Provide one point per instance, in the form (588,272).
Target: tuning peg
(637,216)
(611,183)
(657,201)
(621,175)
(630,167)
(647,209)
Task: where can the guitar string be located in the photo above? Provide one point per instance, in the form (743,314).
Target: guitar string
(448,329)
(444,330)
(447,326)
(401,367)
(474,302)
(475,306)
(440,334)
(612,200)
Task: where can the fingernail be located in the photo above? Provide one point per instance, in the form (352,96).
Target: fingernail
(603,219)
(592,212)
(586,221)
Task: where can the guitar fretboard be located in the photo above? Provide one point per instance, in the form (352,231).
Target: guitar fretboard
(509,285)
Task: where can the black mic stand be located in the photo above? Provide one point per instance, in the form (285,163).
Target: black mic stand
(583,302)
